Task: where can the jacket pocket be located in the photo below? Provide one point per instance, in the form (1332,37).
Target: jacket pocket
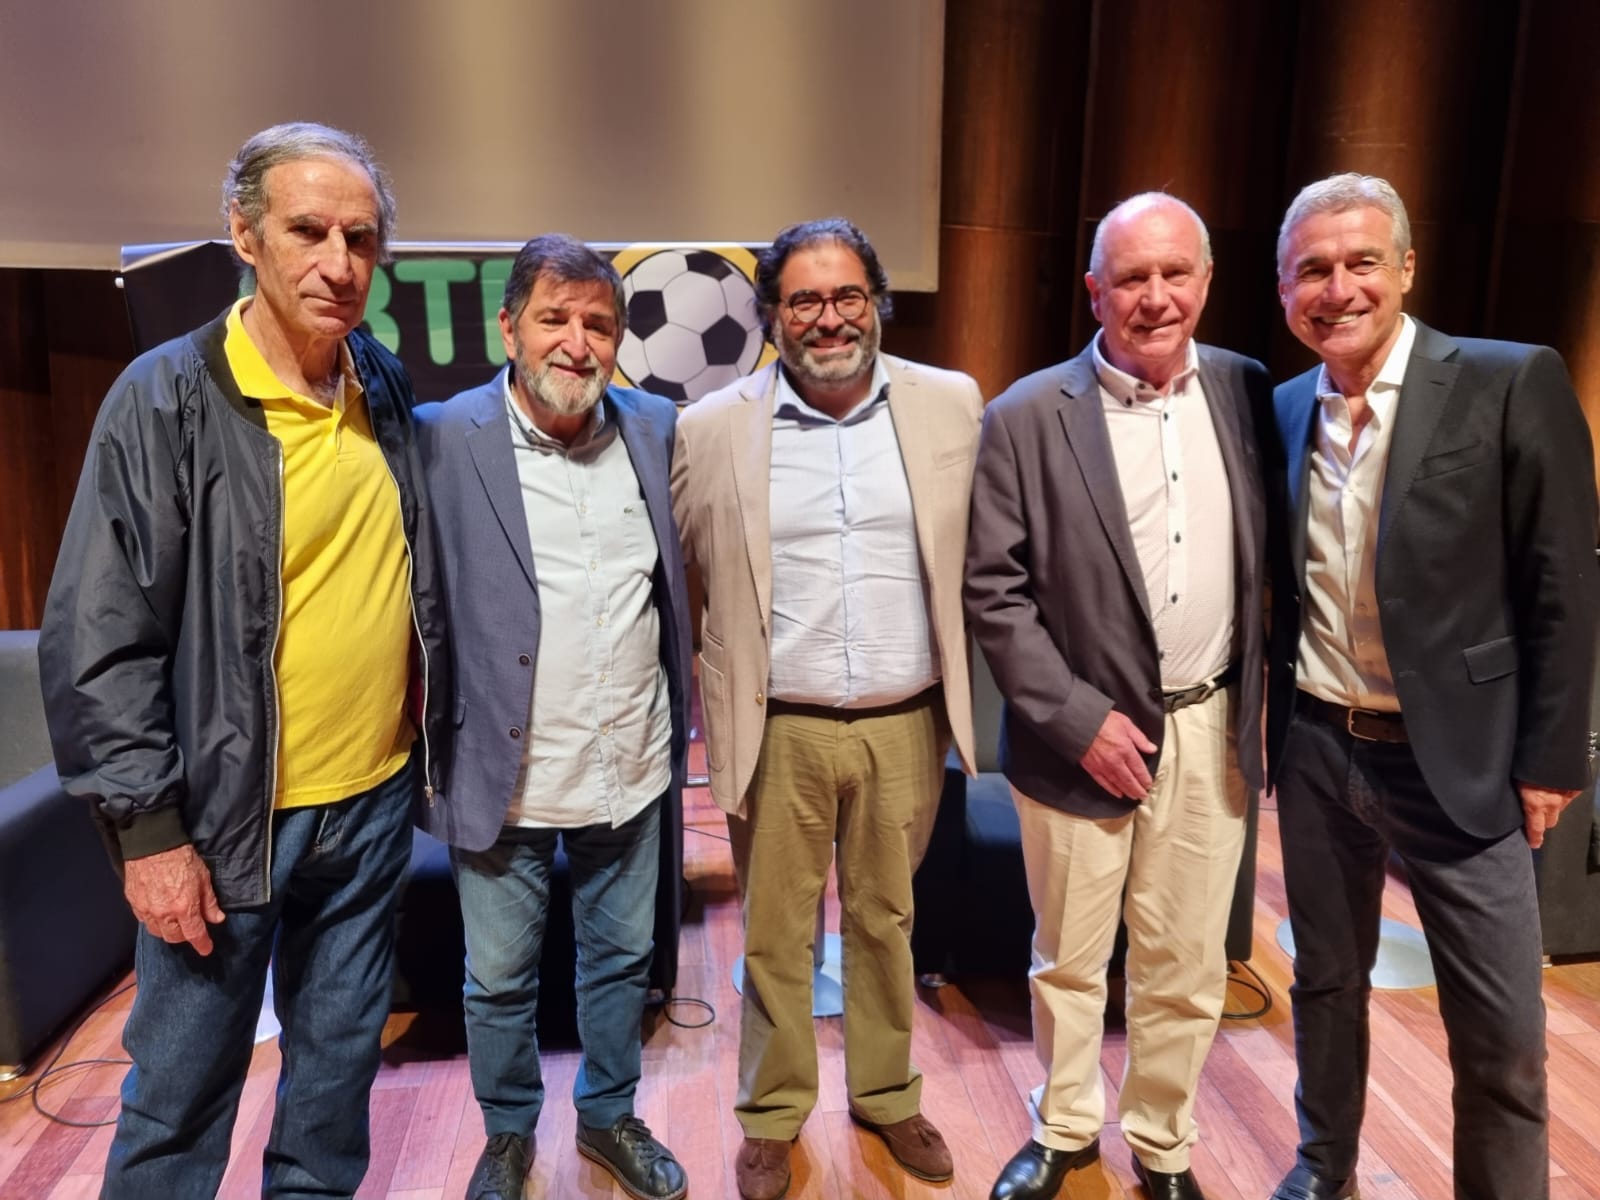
(1491,660)
(1451,460)
(714,708)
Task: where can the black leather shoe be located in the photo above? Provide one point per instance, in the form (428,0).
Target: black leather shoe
(1302,1184)
(501,1169)
(1035,1172)
(1167,1185)
(643,1166)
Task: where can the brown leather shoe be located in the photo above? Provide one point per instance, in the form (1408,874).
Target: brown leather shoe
(916,1145)
(761,1168)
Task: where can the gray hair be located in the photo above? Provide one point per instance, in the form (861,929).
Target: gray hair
(563,259)
(245,185)
(1342,193)
(1097,250)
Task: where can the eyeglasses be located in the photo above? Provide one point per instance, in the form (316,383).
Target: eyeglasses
(806,307)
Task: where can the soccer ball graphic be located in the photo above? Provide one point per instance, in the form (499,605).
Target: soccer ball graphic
(692,324)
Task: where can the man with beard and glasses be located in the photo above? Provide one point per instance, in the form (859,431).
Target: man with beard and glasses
(825,500)
(551,492)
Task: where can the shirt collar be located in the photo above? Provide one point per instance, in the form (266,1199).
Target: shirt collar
(786,402)
(1125,388)
(1390,376)
(595,434)
(256,378)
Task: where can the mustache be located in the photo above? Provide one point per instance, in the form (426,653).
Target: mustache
(560,358)
(814,335)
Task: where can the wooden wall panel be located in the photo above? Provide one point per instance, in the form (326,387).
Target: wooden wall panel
(1546,285)
(1191,99)
(29,524)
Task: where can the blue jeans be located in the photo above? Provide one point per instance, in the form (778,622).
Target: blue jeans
(505,897)
(328,932)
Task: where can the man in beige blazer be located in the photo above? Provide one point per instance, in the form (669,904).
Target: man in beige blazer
(824,499)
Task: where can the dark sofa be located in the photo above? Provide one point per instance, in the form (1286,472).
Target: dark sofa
(64,928)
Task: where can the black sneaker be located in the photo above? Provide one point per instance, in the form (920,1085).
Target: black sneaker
(501,1169)
(643,1166)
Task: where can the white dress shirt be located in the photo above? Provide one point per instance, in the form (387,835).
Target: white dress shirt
(598,746)
(1342,657)
(850,622)
(1180,513)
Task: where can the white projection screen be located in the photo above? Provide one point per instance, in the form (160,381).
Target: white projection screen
(612,120)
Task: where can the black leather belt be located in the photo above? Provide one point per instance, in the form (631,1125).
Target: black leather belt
(1363,724)
(1183,697)
(791,708)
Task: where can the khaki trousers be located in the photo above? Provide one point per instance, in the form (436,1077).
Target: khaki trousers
(1168,869)
(869,786)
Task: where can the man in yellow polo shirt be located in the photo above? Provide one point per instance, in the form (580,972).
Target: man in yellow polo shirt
(244,670)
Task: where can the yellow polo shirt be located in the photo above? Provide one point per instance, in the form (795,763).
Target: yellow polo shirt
(345,632)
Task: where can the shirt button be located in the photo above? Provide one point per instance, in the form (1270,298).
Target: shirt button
(593,565)
(605,676)
(599,622)
(606,729)
(761,697)
(627,508)
(1174,597)
(1174,477)
(515,733)
(1177,537)
(523,659)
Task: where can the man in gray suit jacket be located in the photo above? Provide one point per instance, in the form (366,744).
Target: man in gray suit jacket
(1434,618)
(1114,583)
(565,587)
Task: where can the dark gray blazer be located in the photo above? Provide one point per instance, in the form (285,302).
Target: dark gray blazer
(1054,592)
(492,596)
(1488,595)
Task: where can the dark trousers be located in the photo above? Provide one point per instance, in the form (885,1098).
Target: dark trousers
(1343,805)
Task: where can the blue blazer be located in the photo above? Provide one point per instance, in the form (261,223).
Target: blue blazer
(492,599)
(1488,596)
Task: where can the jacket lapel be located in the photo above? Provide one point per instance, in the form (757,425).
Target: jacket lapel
(1084,423)
(1230,442)
(1295,406)
(750,441)
(1423,395)
(918,454)
(640,436)
(496,463)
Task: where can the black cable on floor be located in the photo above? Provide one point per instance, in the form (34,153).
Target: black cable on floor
(52,1069)
(721,837)
(666,1011)
(1259,987)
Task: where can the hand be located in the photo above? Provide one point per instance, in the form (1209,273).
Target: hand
(1541,809)
(1114,759)
(170,894)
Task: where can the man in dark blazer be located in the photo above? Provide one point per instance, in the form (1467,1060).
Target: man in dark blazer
(1433,649)
(566,596)
(1113,580)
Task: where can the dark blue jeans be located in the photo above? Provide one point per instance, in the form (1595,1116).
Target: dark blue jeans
(505,897)
(1343,804)
(328,932)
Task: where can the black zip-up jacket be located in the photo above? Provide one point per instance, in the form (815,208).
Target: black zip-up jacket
(156,649)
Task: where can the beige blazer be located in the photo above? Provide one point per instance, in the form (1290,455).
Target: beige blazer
(721,487)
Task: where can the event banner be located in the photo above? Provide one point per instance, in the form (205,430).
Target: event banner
(692,324)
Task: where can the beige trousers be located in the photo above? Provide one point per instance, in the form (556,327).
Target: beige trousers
(1168,869)
(870,786)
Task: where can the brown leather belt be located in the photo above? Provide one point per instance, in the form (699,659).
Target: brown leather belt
(791,708)
(1172,701)
(1363,724)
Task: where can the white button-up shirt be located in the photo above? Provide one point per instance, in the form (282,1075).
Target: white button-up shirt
(599,736)
(1180,513)
(850,621)
(1342,657)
